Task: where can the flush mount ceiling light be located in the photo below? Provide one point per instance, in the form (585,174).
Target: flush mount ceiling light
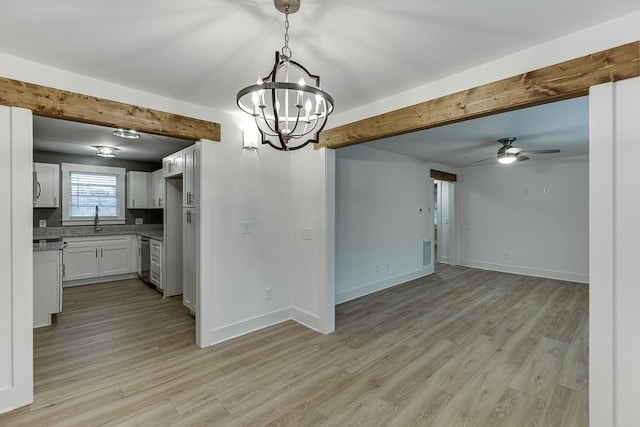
(105,151)
(126,133)
(505,156)
(288,105)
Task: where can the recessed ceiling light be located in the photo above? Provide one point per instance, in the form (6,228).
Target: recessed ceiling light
(104,151)
(126,133)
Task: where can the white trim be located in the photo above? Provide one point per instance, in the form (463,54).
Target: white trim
(527,271)
(67,168)
(370,288)
(101,279)
(306,319)
(243,327)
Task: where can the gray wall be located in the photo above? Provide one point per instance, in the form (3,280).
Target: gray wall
(54,215)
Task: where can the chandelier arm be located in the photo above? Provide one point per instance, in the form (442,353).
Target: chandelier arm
(276,118)
(266,122)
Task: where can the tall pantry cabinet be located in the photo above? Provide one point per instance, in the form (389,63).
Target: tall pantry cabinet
(181,170)
(190,236)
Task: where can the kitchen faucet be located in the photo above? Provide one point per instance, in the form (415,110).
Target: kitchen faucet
(95,221)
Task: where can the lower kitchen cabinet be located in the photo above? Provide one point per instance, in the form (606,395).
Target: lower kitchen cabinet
(95,257)
(155,264)
(47,286)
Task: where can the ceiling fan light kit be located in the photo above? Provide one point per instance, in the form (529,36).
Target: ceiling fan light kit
(508,154)
(288,105)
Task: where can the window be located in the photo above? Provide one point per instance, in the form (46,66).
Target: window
(84,187)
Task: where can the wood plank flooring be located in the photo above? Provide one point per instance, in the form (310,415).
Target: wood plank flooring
(462,347)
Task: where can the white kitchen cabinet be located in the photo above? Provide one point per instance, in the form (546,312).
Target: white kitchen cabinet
(47,286)
(137,189)
(81,262)
(156,263)
(190,165)
(115,259)
(172,165)
(46,185)
(95,257)
(190,255)
(156,190)
(139,256)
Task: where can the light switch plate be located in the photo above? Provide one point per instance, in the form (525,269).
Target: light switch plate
(246,227)
(42,223)
(139,221)
(306,233)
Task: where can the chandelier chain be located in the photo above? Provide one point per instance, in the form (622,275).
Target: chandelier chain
(286,51)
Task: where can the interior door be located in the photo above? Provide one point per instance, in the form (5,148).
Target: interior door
(428,244)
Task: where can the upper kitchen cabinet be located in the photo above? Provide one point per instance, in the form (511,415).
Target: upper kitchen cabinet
(190,165)
(156,189)
(172,165)
(46,185)
(137,190)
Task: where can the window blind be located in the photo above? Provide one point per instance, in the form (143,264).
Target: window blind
(89,190)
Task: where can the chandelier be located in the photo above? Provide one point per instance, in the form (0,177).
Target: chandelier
(288,106)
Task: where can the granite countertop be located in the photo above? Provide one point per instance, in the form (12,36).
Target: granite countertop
(153,231)
(48,246)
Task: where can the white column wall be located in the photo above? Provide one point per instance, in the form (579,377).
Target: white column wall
(614,209)
(16,258)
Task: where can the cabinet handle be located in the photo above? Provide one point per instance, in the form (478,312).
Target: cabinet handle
(133,203)
(55,200)
(101,252)
(160,202)
(64,270)
(96,252)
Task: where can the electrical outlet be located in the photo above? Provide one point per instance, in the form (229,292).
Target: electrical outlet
(268,294)
(42,223)
(139,221)
(507,255)
(388,267)
(377,268)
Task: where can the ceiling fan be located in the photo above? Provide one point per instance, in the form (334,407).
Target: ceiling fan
(508,153)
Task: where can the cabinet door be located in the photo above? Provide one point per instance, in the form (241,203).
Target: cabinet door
(137,188)
(80,263)
(46,185)
(139,257)
(46,284)
(172,165)
(115,259)
(156,190)
(189,192)
(189,259)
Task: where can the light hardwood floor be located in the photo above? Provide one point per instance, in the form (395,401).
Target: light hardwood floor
(461,347)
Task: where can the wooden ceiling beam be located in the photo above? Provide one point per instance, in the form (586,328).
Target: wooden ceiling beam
(60,104)
(569,79)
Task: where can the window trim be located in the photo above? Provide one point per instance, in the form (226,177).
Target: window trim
(67,168)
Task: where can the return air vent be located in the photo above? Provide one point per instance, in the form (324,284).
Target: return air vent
(426,252)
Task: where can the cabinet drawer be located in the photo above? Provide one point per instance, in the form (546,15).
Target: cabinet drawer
(156,278)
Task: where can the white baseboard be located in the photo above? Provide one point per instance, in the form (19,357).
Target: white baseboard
(95,280)
(234,330)
(309,320)
(527,271)
(370,288)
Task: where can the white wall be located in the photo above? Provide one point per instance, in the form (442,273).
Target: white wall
(506,221)
(379,226)
(614,347)
(16,261)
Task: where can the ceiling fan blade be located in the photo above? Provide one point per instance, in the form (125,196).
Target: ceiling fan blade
(539,151)
(522,157)
(513,150)
(484,160)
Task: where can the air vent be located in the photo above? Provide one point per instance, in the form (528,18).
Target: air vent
(426,252)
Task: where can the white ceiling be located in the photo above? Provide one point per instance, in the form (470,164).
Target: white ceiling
(204,51)
(78,138)
(563,125)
